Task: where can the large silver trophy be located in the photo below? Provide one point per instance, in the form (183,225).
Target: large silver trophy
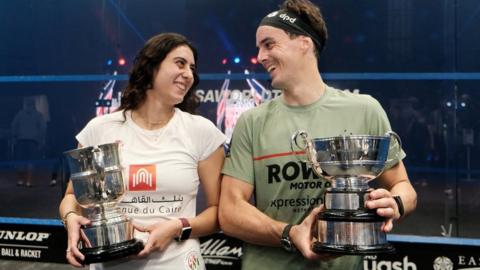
(97,180)
(349,163)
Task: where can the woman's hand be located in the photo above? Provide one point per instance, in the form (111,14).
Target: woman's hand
(161,234)
(73,223)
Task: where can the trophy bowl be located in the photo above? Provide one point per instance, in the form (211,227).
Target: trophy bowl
(96,175)
(97,181)
(359,155)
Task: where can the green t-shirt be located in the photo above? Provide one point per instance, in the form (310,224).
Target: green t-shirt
(285,188)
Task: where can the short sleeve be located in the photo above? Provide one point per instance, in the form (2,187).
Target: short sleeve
(86,137)
(380,125)
(207,138)
(239,160)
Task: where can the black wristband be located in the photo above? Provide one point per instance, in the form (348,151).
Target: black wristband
(285,241)
(399,202)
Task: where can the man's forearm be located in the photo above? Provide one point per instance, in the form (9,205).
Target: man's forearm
(242,220)
(409,197)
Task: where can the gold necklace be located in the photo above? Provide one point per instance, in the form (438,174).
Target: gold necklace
(160,123)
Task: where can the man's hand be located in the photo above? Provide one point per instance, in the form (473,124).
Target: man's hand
(382,200)
(302,236)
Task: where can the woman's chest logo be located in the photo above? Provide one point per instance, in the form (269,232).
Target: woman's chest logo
(142,177)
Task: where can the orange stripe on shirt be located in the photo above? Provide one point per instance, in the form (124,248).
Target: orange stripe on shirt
(279,155)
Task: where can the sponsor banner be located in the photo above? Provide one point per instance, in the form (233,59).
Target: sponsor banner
(419,256)
(222,101)
(223,252)
(220,251)
(28,242)
(47,243)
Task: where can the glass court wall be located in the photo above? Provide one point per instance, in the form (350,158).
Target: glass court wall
(420,59)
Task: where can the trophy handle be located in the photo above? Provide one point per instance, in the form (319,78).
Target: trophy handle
(309,150)
(394,135)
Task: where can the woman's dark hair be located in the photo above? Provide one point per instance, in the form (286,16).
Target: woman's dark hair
(145,66)
(310,13)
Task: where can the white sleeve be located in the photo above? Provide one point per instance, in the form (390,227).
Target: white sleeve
(207,138)
(86,137)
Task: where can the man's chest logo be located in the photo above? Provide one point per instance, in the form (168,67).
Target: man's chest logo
(142,177)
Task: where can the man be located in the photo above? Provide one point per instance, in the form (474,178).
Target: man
(28,132)
(261,164)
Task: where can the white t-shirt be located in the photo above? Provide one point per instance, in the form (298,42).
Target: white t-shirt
(160,177)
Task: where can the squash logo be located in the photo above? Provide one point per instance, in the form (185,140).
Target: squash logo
(371,263)
(142,178)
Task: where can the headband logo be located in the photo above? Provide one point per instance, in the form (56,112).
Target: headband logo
(285,17)
(272,14)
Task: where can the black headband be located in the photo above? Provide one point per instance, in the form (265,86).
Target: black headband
(292,23)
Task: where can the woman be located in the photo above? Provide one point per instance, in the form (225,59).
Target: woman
(159,133)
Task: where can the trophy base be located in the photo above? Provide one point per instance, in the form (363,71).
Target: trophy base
(351,232)
(108,253)
(318,247)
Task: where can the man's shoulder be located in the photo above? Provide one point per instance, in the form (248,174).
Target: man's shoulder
(352,98)
(262,110)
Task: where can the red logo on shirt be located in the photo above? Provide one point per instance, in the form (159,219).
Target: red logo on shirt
(142,177)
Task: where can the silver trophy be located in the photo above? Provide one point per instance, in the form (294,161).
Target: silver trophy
(97,180)
(349,163)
